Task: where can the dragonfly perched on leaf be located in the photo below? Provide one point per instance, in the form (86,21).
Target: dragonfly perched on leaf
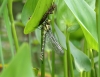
(48,33)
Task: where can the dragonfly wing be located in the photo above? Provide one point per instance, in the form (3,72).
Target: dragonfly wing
(54,43)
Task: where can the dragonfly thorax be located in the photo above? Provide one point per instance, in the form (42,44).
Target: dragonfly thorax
(47,28)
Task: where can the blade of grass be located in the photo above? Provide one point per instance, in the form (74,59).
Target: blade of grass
(8,27)
(2,6)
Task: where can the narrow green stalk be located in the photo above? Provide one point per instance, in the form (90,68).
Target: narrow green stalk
(53,53)
(86,52)
(53,64)
(92,60)
(69,57)
(88,74)
(98,27)
(1,53)
(81,74)
(84,74)
(12,24)
(96,71)
(43,68)
(65,64)
(8,28)
(15,36)
(43,60)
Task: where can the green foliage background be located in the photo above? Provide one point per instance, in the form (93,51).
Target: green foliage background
(20,53)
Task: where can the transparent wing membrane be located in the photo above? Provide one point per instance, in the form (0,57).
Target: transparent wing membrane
(54,43)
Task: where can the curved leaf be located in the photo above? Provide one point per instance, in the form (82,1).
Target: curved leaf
(28,9)
(41,7)
(80,58)
(20,66)
(86,17)
(64,17)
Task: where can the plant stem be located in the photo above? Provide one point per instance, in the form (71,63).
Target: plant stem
(98,27)
(15,36)
(53,53)
(92,60)
(84,74)
(53,64)
(69,57)
(1,53)
(88,74)
(12,24)
(43,60)
(86,52)
(65,65)
(81,74)
(42,68)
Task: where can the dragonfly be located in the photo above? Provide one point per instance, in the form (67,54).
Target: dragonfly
(54,43)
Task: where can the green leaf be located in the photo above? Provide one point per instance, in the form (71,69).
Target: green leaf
(86,17)
(91,3)
(3,6)
(8,28)
(80,58)
(82,62)
(41,7)
(64,16)
(28,9)
(20,66)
